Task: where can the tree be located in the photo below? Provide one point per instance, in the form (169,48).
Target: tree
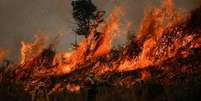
(84,15)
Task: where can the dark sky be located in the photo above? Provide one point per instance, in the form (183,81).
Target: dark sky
(21,19)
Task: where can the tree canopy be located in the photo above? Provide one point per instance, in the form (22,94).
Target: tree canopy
(84,14)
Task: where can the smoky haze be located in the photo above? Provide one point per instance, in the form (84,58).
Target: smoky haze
(21,19)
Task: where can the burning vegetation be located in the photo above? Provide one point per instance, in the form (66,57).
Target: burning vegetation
(165,52)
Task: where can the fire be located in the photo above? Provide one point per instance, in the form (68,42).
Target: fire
(145,75)
(31,50)
(3,54)
(108,30)
(163,36)
(73,87)
(89,48)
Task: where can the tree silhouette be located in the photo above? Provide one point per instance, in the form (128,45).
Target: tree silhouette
(84,15)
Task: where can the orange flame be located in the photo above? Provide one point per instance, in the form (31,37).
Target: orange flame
(3,54)
(162,36)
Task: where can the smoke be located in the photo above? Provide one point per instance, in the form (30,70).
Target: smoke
(21,19)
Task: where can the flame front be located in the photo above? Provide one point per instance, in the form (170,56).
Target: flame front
(163,36)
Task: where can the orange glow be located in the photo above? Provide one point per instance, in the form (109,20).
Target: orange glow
(108,30)
(31,50)
(73,87)
(162,38)
(3,54)
(145,75)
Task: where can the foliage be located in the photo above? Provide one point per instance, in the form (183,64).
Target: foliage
(84,14)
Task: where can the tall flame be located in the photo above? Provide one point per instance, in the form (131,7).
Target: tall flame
(163,37)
